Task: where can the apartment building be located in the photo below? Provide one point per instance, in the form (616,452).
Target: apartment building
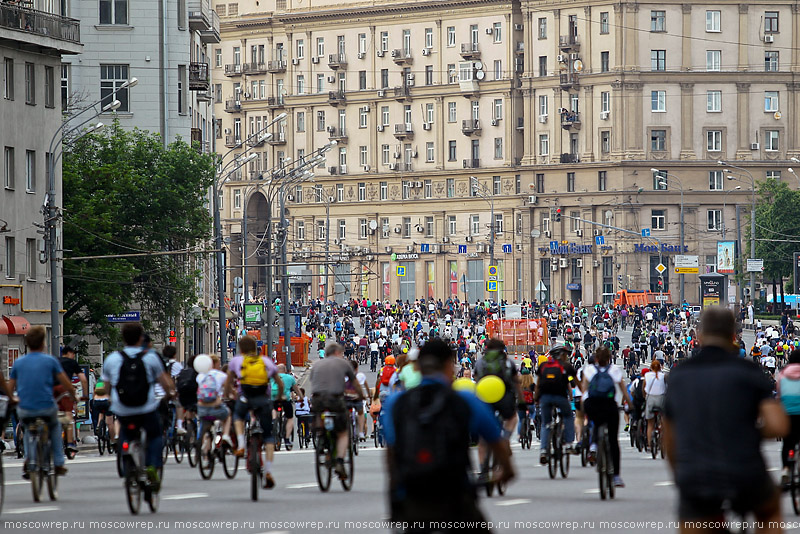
(570,106)
(33,41)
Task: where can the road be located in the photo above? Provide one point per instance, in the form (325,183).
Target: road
(92,499)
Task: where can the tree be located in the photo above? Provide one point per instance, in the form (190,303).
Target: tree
(125,193)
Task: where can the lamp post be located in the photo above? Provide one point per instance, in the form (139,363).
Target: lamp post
(752,221)
(661,179)
(724,204)
(488,195)
(794,174)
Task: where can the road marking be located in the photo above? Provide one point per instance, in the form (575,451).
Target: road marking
(184,497)
(301,486)
(595,490)
(32,510)
(17,483)
(75,462)
(513,502)
(665,483)
(773,469)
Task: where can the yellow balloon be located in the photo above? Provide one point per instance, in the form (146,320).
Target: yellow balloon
(464,384)
(490,389)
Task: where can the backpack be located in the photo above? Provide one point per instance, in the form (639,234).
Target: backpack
(495,363)
(527,396)
(133,387)
(551,377)
(254,376)
(601,386)
(186,382)
(386,374)
(207,390)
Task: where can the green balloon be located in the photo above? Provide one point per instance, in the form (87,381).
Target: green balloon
(394,256)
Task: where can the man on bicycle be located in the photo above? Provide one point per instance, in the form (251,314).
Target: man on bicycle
(34,376)
(67,405)
(495,362)
(289,386)
(552,389)
(327,386)
(253,373)
(131,374)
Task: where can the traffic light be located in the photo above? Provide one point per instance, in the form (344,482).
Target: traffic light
(558,214)
(173,338)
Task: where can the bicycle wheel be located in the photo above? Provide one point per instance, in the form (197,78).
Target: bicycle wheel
(178,450)
(152,498)
(49,472)
(349,467)
(584,447)
(190,443)
(654,444)
(254,466)
(277,434)
(322,463)
(133,492)
(552,464)
(794,480)
(563,462)
(640,437)
(660,447)
(632,432)
(101,435)
(230,462)
(601,463)
(205,452)
(120,464)
(501,486)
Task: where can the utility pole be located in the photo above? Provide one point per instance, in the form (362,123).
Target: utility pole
(284,242)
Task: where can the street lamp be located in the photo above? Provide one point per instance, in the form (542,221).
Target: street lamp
(724,203)
(794,174)
(662,179)
(752,220)
(488,195)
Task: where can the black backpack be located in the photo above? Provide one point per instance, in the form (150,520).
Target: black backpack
(133,387)
(186,382)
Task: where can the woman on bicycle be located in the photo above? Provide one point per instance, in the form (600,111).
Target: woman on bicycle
(655,387)
(600,382)
(788,384)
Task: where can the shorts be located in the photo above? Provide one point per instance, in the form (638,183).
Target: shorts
(286,406)
(102,407)
(261,407)
(653,401)
(749,497)
(327,402)
(188,402)
(505,406)
(213,412)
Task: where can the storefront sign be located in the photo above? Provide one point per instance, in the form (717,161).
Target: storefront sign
(665,248)
(569,248)
(252,313)
(11,301)
(574,287)
(407,256)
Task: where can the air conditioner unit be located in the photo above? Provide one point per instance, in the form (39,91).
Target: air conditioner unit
(388,250)
(543,119)
(519,247)
(361,55)
(295,61)
(553,267)
(573,57)
(227,131)
(769,38)
(597,232)
(331,129)
(425,51)
(414,155)
(365,109)
(494,122)
(410,248)
(578,233)
(426,126)
(468,239)
(595,263)
(331,170)
(488,31)
(331,79)
(381,53)
(604,115)
(753,146)
(579,262)
(410,81)
(563,262)
(314,60)
(532,199)
(337,241)
(342,169)
(479,247)
(548,233)
(562,110)
(380,127)
(386,233)
(417,184)
(519,27)
(395,52)
(420,229)
(445,239)
(393,166)
(561,58)
(397,229)
(366,168)
(397,155)
(435,249)
(381,93)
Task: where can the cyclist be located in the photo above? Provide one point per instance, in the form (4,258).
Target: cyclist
(289,387)
(552,389)
(101,410)
(67,405)
(327,386)
(788,384)
(655,387)
(210,397)
(302,410)
(34,376)
(495,362)
(132,373)
(253,373)
(601,381)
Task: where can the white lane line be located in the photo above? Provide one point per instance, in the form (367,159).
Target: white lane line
(513,502)
(32,510)
(74,462)
(18,483)
(595,490)
(184,497)
(773,469)
(665,483)
(301,486)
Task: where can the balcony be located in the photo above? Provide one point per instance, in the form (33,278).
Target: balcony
(275,102)
(568,79)
(471,126)
(232,140)
(568,43)
(472,163)
(41,23)
(336,98)
(402,93)
(470,51)
(198,77)
(233,105)
(203,96)
(233,69)
(570,120)
(407,167)
(254,68)
(255,140)
(276,66)
(337,134)
(278,138)
(520,48)
(569,158)
(197,136)
(402,57)
(403,131)
(337,61)
(203,19)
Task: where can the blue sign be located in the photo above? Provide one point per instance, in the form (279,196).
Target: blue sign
(424,247)
(569,248)
(599,240)
(507,249)
(574,287)
(462,249)
(491,285)
(664,248)
(553,244)
(401,271)
(127,317)
(645,232)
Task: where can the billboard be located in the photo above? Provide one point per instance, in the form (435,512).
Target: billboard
(726,257)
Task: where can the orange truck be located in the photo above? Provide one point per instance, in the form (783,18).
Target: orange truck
(629,297)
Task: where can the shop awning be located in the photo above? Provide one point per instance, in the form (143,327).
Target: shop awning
(14,325)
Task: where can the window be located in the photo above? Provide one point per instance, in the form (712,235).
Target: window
(570,182)
(429,152)
(713,18)
(658,21)
(11,257)
(658,219)
(385,154)
(384,189)
(714,140)
(406,226)
(301,49)
(542,65)
(658,101)
(237,199)
(498,69)
(320,83)
(497,32)
(237,55)
(362,116)
(182,89)
(775,175)
(8,167)
(111,78)
(113,11)
(602,180)
(658,60)
(771,101)
(384,41)
(474,224)
(451,36)
(713,60)
(451,151)
(498,148)
(362,80)
(452,73)
(714,218)
(713,101)
(498,108)
(658,140)
(362,43)
(8,78)
(498,223)
(362,229)
(300,233)
(32,257)
(770,22)
(543,107)
(660,181)
(321,227)
(451,188)
(605,102)
(604,22)
(451,224)
(428,74)
(771,141)
(540,183)
(320,46)
(427,189)
(362,189)
(218,58)
(30,171)
(342,228)
(451,112)
(574,221)
(30,83)
(466,71)
(715,181)
(301,121)
(406,190)
(544,145)
(428,226)
(604,61)
(771,61)
(320,121)
(49,87)
(605,141)
(428,37)
(362,158)
(339,192)
(497,185)
(429,113)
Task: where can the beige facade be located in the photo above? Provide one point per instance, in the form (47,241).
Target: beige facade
(569,107)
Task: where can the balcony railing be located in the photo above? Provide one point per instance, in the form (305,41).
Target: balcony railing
(472,163)
(255,140)
(407,167)
(470,51)
(471,126)
(198,77)
(233,105)
(276,66)
(403,131)
(278,138)
(339,134)
(275,102)
(401,56)
(570,119)
(233,69)
(254,68)
(232,140)
(568,42)
(29,20)
(568,79)
(336,97)
(403,92)
(203,19)
(569,158)
(336,61)
(196,135)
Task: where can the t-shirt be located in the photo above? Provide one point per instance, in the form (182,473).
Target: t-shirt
(71,367)
(288,383)
(302,407)
(235,365)
(111,374)
(713,405)
(410,377)
(219,380)
(589,371)
(655,385)
(327,376)
(35,374)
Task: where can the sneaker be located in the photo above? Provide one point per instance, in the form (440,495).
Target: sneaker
(239,453)
(25,474)
(72,446)
(627,427)
(153,479)
(618,482)
(340,472)
(61,470)
(180,431)
(544,458)
(269,482)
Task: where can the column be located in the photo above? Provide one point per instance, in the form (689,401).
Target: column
(618,39)
(587,123)
(743,115)
(556,141)
(687,121)
(529,132)
(793,139)
(438,124)
(633,122)
(556,36)
(509,148)
(795,38)
(586,55)
(631,37)
(440,67)
(617,133)
(686,40)
(743,38)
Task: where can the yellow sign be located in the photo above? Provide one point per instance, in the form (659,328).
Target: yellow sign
(493,270)
(491,285)
(710,301)
(401,271)
(687,270)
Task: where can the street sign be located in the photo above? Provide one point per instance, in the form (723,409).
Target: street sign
(401,271)
(662,298)
(493,270)
(462,249)
(645,232)
(599,240)
(238,281)
(127,317)
(755,266)
(424,247)
(506,249)
(687,264)
(660,268)
(540,287)
(491,285)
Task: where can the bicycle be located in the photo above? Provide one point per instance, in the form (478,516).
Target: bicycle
(325,454)
(103,437)
(794,478)
(558,460)
(526,432)
(303,431)
(40,467)
(254,464)
(586,443)
(377,435)
(188,443)
(353,415)
(137,482)
(212,448)
(488,468)
(605,464)
(655,440)
(279,426)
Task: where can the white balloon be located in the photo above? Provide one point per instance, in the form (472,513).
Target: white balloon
(202,364)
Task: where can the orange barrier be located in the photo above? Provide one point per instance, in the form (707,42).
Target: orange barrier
(518,332)
(300,347)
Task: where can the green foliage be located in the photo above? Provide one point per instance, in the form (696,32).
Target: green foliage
(778,220)
(125,193)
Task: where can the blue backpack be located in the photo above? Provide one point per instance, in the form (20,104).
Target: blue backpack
(601,386)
